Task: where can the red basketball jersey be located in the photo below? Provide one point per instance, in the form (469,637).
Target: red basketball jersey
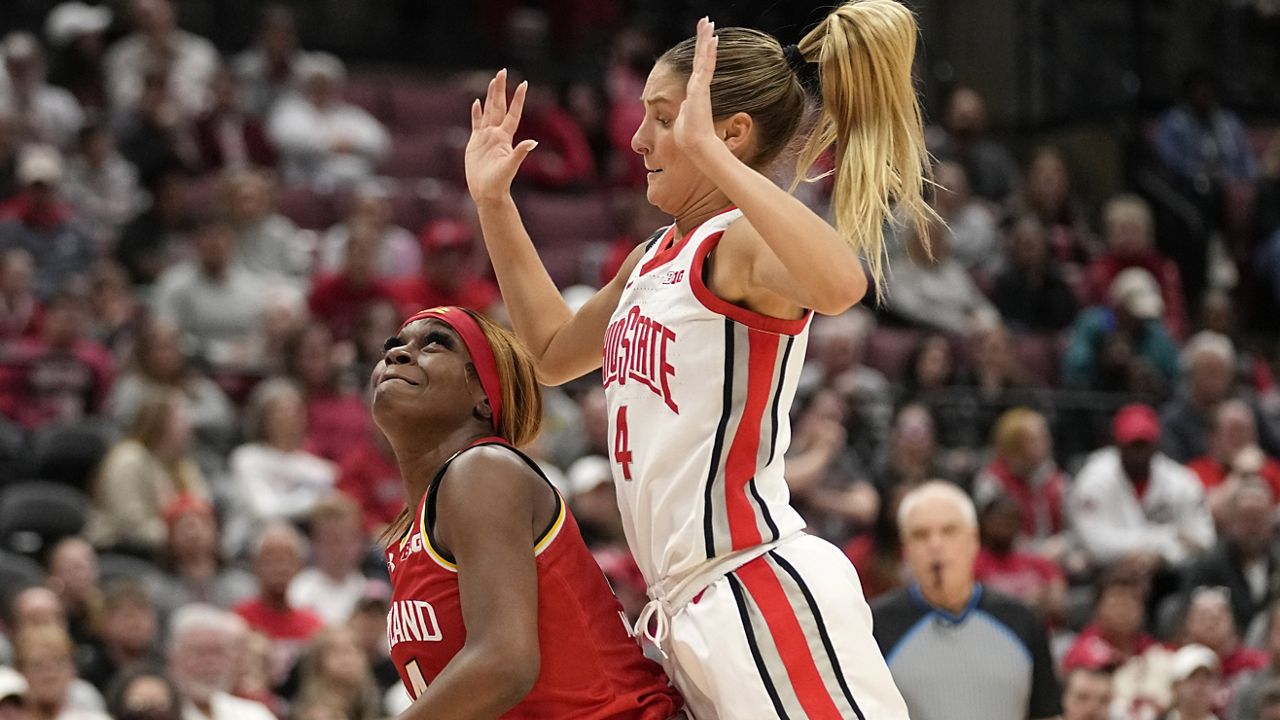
(590,665)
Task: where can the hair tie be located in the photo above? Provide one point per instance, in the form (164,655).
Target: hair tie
(806,72)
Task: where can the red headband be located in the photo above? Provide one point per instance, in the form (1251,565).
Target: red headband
(477,345)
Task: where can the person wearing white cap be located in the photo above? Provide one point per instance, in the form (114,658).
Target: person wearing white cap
(1194,673)
(46,113)
(41,223)
(13,695)
(1123,345)
(159,43)
(75,32)
(321,138)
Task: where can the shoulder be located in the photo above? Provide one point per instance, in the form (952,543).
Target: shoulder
(1008,610)
(495,472)
(1096,473)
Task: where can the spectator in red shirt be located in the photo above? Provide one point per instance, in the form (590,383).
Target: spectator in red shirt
(60,376)
(1114,633)
(1032,578)
(1235,429)
(564,160)
(225,135)
(369,475)
(1129,234)
(1023,468)
(449,275)
(341,298)
(337,415)
(277,559)
(1209,622)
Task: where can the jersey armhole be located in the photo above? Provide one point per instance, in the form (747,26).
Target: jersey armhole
(428,517)
(737,313)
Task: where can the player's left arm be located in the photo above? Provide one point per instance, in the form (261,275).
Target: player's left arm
(793,252)
(485,509)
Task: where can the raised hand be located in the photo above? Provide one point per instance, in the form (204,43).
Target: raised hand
(694,125)
(491,159)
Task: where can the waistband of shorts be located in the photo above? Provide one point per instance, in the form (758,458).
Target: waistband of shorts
(676,592)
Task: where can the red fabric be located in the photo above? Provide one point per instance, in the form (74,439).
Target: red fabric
(1107,266)
(277,624)
(415,293)
(742,462)
(1212,473)
(1091,650)
(1019,574)
(40,385)
(41,217)
(1242,659)
(1044,500)
(258,148)
(879,575)
(372,479)
(336,423)
(563,158)
(789,637)
(340,303)
(590,666)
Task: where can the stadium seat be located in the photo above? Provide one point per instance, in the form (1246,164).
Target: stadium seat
(371,93)
(433,154)
(17,573)
(889,348)
(114,565)
(418,107)
(16,460)
(307,208)
(70,454)
(34,515)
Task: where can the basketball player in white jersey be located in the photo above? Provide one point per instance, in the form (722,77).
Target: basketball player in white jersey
(703,334)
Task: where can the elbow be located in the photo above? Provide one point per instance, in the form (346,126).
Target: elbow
(513,676)
(842,294)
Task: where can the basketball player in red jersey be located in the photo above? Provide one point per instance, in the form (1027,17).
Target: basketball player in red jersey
(498,609)
(703,333)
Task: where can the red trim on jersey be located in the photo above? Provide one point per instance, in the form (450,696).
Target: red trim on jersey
(793,646)
(737,313)
(740,466)
(666,253)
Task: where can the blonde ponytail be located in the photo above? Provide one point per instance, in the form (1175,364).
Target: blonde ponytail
(865,50)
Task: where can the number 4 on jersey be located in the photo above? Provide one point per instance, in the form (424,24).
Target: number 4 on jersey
(622,443)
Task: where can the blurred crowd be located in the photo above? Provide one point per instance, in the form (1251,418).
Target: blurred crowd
(202,253)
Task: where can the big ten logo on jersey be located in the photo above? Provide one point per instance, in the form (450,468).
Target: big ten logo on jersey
(636,349)
(409,548)
(412,621)
(672,277)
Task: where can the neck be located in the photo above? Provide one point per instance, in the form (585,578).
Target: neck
(709,206)
(276,600)
(420,458)
(954,599)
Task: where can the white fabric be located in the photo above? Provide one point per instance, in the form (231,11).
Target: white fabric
(275,484)
(195,60)
(306,135)
(708,658)
(46,113)
(1171,519)
(673,354)
(332,600)
(228,707)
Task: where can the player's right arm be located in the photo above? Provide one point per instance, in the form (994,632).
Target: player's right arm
(565,345)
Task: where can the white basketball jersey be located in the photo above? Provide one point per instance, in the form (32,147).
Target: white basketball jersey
(698,393)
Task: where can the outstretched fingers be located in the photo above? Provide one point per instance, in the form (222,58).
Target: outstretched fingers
(512,121)
(704,57)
